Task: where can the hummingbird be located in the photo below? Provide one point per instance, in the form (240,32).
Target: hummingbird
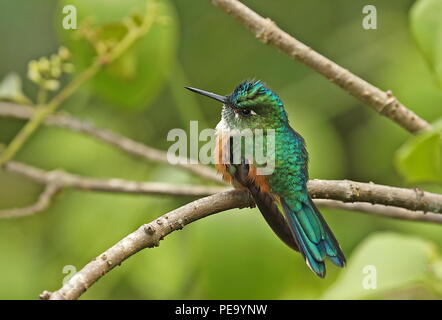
(281,196)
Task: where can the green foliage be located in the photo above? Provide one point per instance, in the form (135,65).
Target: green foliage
(426,25)
(420,158)
(133,80)
(383,263)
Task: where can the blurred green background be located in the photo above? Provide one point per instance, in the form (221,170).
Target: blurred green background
(232,255)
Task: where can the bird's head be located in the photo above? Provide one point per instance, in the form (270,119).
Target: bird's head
(250,106)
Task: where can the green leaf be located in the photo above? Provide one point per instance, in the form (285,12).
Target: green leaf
(426,26)
(420,158)
(134,79)
(11,89)
(383,263)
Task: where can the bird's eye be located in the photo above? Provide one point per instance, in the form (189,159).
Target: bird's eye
(247,112)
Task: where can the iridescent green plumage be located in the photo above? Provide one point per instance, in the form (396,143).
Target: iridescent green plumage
(253,106)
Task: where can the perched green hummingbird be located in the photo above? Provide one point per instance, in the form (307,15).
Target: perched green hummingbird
(254,106)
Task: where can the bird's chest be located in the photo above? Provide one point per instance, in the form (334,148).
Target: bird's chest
(222,156)
(223,153)
(230,165)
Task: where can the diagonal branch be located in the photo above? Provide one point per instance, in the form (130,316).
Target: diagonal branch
(146,236)
(121,142)
(268,32)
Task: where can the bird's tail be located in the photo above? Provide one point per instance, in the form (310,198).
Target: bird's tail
(314,238)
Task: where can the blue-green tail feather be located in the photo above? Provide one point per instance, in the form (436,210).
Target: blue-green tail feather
(312,234)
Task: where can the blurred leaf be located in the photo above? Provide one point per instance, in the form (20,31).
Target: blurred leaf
(397,261)
(11,89)
(126,67)
(420,158)
(426,25)
(133,80)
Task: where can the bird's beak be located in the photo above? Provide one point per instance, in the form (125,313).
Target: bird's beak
(217,97)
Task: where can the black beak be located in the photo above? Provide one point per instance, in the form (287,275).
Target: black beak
(217,97)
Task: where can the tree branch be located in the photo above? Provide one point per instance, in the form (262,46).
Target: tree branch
(351,191)
(114,139)
(268,32)
(149,235)
(57,180)
(345,191)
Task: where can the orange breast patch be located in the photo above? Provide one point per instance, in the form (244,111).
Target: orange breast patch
(260,181)
(222,158)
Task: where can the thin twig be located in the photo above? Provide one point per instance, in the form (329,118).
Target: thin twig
(114,139)
(381,210)
(43,202)
(268,32)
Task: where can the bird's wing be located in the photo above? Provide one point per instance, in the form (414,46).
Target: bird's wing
(245,175)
